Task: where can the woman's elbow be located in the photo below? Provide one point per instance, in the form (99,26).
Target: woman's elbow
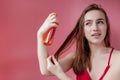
(45,73)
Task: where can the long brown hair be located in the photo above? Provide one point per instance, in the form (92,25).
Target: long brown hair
(83,53)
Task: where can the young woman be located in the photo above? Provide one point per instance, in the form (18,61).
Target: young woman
(93,59)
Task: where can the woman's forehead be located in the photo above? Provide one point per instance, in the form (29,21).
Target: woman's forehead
(94,15)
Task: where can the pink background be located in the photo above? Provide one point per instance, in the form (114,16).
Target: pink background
(19,22)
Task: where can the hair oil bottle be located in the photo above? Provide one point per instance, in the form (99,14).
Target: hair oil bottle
(48,36)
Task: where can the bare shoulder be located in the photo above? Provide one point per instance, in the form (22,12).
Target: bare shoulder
(116,57)
(113,73)
(116,53)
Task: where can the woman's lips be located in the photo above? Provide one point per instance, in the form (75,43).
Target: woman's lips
(96,34)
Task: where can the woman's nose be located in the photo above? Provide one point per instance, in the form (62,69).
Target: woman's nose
(95,27)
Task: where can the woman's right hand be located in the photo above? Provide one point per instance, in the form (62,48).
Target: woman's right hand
(51,21)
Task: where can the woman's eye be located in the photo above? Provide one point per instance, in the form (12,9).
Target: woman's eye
(88,24)
(100,22)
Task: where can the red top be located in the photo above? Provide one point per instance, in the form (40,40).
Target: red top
(85,75)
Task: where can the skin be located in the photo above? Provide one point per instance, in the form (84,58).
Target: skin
(95,30)
(95,24)
(65,63)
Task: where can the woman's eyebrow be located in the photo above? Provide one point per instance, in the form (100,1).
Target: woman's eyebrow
(88,20)
(101,19)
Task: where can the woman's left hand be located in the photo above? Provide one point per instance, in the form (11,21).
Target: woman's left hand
(53,66)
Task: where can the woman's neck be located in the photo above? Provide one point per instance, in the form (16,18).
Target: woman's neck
(97,49)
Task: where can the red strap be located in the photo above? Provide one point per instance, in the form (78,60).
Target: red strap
(108,66)
(110,56)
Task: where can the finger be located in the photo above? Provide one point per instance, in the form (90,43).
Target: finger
(53,17)
(54,60)
(49,60)
(53,14)
(54,20)
(55,23)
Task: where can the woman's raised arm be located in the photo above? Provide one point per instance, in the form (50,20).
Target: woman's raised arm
(41,47)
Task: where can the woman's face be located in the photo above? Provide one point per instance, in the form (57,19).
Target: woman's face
(95,26)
